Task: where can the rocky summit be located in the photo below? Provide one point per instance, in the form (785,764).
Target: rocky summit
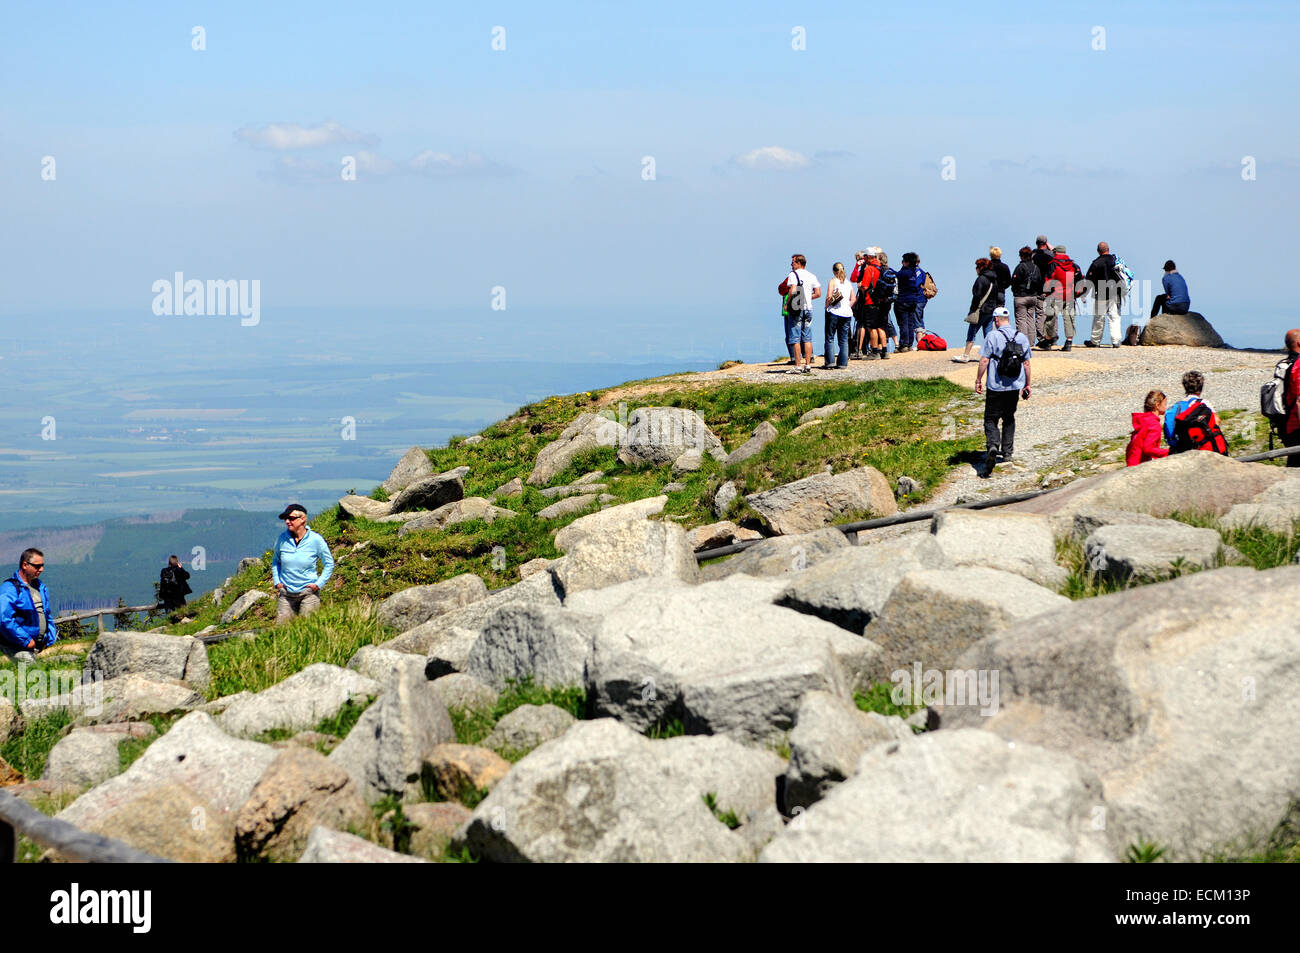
(667,649)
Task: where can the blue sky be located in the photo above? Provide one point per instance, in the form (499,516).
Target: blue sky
(523,167)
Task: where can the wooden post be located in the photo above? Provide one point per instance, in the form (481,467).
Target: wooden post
(99,623)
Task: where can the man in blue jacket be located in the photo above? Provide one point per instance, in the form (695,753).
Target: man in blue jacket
(293,565)
(1175,300)
(25,610)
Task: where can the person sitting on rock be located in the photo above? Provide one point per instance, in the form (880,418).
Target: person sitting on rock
(1191,424)
(1175,300)
(1144,444)
(26,626)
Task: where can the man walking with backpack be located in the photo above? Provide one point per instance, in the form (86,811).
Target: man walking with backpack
(1008,352)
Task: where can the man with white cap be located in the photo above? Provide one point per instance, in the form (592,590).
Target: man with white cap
(1004,356)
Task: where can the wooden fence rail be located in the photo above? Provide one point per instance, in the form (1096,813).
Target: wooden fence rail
(19,817)
(99,614)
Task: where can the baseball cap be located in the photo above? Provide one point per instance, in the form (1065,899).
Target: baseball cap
(1001,313)
(291,509)
(1040,240)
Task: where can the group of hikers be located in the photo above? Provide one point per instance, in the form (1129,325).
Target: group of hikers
(1046,285)
(26,621)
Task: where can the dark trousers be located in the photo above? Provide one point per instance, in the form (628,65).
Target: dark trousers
(837,329)
(1159,303)
(909,319)
(1292,440)
(1000,405)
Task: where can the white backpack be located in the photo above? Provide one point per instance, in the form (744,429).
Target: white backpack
(1272,402)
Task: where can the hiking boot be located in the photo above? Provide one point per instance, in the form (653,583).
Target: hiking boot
(872,356)
(884,354)
(1067,346)
(1091,343)
(990,459)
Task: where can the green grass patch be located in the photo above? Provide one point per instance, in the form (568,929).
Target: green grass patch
(473,725)
(332,634)
(28,751)
(337,725)
(727,817)
(670,728)
(878,697)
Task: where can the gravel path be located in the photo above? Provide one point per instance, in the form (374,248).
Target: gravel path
(1078,397)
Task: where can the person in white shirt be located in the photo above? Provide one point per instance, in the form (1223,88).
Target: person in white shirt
(800,289)
(839,318)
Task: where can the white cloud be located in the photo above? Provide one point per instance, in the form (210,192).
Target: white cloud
(772,157)
(291,135)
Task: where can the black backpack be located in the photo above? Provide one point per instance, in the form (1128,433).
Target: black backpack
(885,288)
(1012,358)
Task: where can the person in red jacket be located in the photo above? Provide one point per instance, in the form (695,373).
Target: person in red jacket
(1144,444)
(1291,398)
(1060,285)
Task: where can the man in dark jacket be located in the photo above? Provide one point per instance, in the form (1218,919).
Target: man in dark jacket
(26,626)
(1043,262)
(910,300)
(1026,283)
(1104,279)
(173,585)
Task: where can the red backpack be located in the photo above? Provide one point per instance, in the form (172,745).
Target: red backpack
(929,341)
(1197,428)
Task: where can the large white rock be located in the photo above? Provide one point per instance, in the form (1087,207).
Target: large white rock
(742,779)
(1187,715)
(384,750)
(780,555)
(527,727)
(934,615)
(536,589)
(547,644)
(1148,552)
(657,436)
(1015,542)
(362,506)
(713,657)
(407,608)
(599,524)
(413,466)
(88,756)
(1276,509)
(298,703)
(850,586)
(829,737)
(195,754)
(243,604)
(953,797)
(824,498)
(152,655)
(600,793)
(626,551)
(587,432)
(431,492)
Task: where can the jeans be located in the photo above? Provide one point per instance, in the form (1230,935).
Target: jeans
(986,322)
(909,319)
(1162,302)
(1000,405)
(798,328)
(837,328)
